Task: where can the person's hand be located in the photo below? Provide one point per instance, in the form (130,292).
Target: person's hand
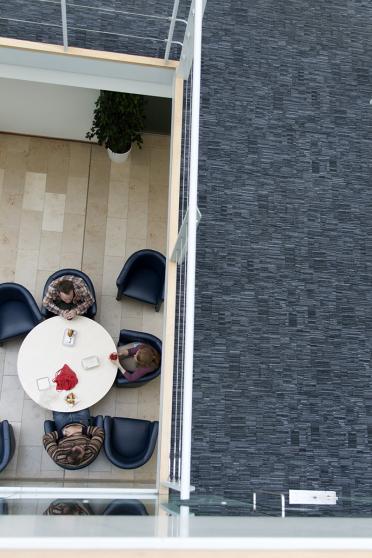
(124,352)
(71,314)
(72,429)
(64,314)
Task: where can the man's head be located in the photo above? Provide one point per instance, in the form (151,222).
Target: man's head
(75,455)
(66,290)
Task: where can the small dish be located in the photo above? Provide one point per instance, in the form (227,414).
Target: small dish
(90,362)
(43,383)
(69,337)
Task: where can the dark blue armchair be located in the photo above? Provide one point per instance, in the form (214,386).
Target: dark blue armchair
(92,310)
(142,278)
(7,443)
(129,443)
(50,426)
(19,312)
(129,336)
(125,507)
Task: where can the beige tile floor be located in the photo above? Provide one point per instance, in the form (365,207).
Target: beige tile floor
(64,204)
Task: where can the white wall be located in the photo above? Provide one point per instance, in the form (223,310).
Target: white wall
(41,109)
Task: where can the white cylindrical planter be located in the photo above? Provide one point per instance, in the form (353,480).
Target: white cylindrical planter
(118,157)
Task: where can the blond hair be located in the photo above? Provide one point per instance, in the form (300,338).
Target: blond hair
(148,357)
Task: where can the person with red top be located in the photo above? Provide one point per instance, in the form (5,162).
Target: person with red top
(136,360)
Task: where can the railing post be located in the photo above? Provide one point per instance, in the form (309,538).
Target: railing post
(191,259)
(64,24)
(171,29)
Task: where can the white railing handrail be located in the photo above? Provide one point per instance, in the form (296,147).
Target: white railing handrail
(191,258)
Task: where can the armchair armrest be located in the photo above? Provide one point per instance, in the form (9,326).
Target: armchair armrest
(49,426)
(98,421)
(8,443)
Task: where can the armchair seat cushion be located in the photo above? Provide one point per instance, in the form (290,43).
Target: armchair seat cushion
(141,286)
(127,437)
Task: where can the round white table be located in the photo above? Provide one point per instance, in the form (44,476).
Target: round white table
(42,354)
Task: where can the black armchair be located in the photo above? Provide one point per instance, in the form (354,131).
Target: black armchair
(125,507)
(19,312)
(50,426)
(7,444)
(128,336)
(129,443)
(142,278)
(92,310)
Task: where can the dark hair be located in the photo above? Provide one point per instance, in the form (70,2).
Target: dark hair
(75,456)
(65,286)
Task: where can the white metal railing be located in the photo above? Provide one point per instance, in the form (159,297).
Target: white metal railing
(191,256)
(185,254)
(65,26)
(179,256)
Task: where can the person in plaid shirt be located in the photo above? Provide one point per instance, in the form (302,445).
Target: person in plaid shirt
(68,296)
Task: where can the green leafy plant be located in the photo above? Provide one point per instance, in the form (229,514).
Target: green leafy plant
(118,120)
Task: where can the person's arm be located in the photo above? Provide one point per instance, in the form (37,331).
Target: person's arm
(116,362)
(50,443)
(134,350)
(84,294)
(48,300)
(122,370)
(96,435)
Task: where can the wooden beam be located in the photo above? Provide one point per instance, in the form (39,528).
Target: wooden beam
(88,54)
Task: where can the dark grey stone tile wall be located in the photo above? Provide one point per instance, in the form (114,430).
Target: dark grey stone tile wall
(283,379)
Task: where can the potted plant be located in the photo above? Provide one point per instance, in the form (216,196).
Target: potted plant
(118,122)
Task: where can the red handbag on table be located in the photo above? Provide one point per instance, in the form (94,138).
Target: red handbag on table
(65,378)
